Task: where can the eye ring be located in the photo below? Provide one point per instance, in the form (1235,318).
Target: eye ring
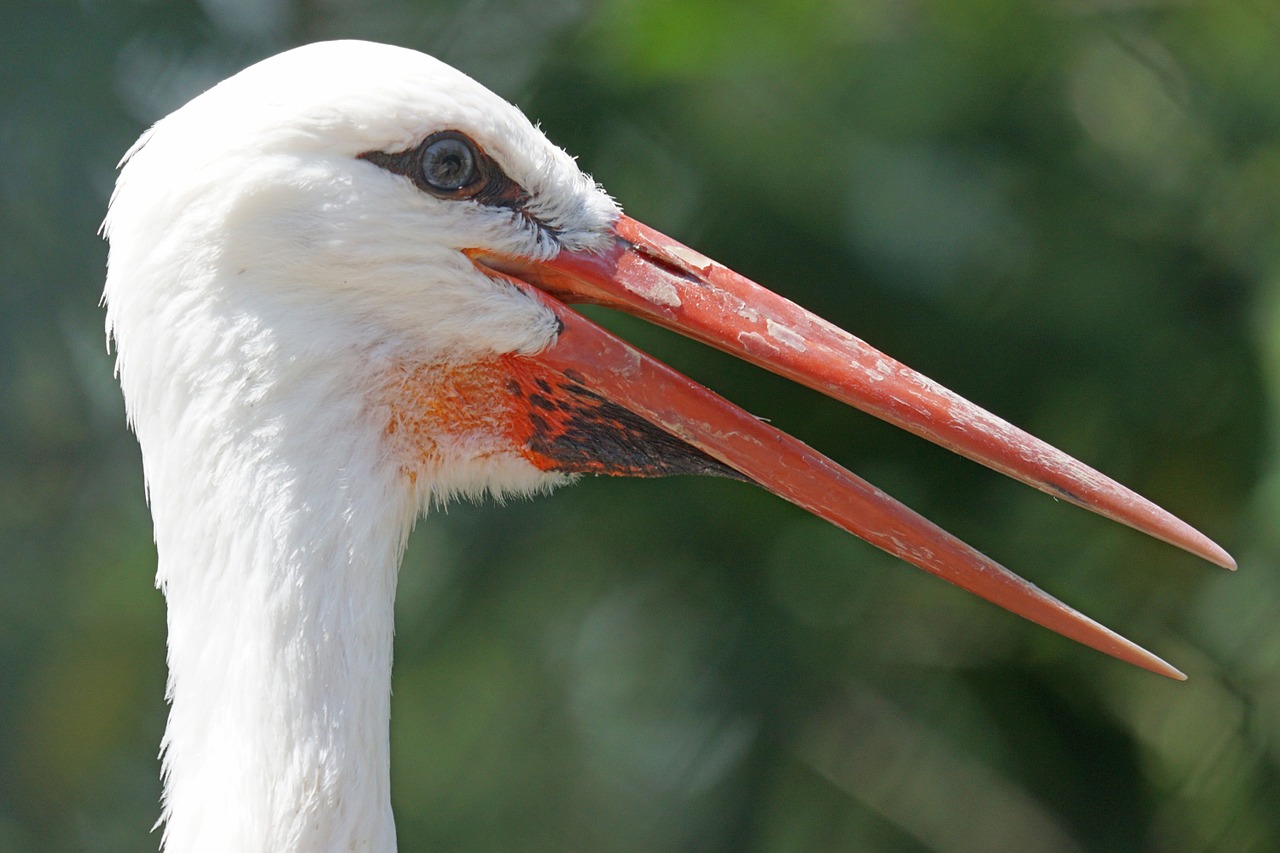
(450,165)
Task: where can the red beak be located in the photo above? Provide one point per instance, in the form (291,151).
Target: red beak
(654,277)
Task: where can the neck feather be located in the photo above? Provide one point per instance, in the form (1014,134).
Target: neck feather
(280,521)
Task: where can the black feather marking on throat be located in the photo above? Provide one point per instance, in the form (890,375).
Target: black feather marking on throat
(585,433)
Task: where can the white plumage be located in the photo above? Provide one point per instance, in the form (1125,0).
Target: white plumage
(265,289)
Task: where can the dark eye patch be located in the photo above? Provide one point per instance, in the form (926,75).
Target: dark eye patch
(449,164)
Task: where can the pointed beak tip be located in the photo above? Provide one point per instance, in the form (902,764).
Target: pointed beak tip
(1168,670)
(1213,552)
(1146,660)
(1178,533)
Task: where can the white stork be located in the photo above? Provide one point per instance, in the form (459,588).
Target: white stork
(338,287)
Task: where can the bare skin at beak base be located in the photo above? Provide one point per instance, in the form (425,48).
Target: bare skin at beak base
(648,274)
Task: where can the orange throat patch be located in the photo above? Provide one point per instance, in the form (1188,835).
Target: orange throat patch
(514,406)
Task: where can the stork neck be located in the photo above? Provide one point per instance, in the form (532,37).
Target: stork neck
(278,558)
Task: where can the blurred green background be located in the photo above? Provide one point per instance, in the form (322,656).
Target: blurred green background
(1066,210)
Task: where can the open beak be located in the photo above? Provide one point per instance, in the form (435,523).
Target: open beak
(654,277)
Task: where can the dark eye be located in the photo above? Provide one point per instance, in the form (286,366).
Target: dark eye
(449,163)
(450,166)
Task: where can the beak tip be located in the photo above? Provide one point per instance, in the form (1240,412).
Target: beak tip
(1214,553)
(1146,660)
(1173,530)
(1169,671)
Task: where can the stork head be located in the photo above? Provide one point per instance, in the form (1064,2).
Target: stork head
(303,178)
(357,204)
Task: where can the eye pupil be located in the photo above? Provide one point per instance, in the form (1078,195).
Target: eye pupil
(448,164)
